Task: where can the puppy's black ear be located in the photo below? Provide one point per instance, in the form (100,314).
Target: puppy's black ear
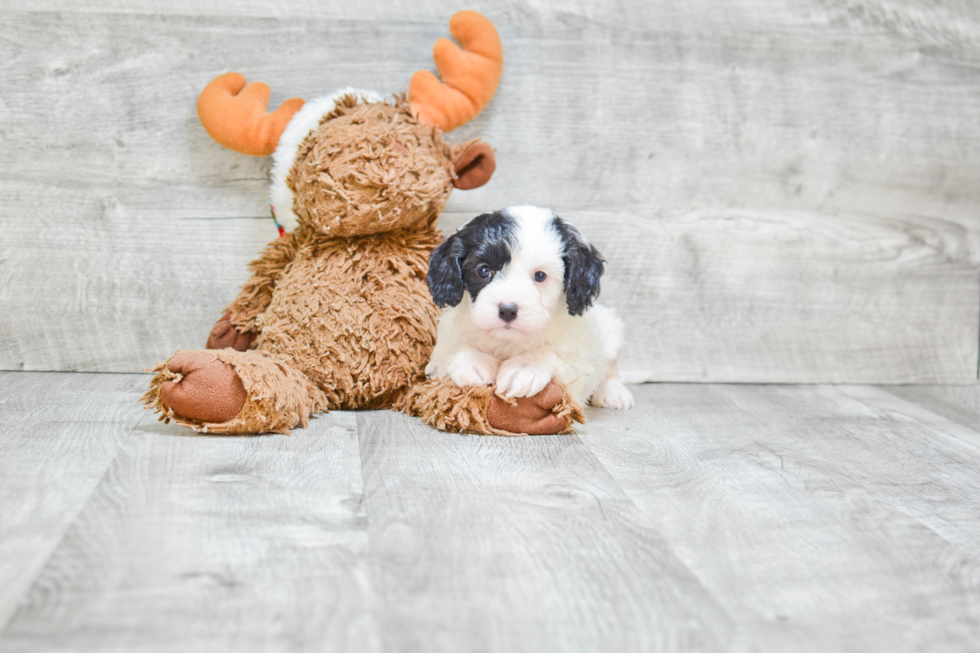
(445,278)
(583,268)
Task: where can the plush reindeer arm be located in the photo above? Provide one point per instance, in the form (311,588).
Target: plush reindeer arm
(237,327)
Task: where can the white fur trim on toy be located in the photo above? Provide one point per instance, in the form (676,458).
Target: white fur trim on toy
(306,120)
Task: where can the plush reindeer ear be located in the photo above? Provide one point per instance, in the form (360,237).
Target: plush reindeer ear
(445,277)
(474,165)
(583,268)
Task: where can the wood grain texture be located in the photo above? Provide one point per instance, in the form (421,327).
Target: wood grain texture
(708,518)
(518,544)
(938,20)
(801,172)
(58,435)
(959,403)
(207,543)
(818,518)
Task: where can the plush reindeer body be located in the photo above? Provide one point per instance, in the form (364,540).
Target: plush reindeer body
(344,296)
(337,313)
(353,315)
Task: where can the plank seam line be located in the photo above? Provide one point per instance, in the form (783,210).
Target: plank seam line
(81,506)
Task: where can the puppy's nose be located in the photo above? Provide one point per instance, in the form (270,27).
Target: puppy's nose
(507,312)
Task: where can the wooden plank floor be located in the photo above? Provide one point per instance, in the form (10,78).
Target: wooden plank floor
(708,518)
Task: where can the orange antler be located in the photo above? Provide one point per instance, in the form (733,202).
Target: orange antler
(240,119)
(469,76)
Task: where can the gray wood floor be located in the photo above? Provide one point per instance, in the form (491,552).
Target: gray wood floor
(709,518)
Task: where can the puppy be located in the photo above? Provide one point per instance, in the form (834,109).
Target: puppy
(519,285)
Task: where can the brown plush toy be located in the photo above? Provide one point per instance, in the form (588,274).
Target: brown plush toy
(337,313)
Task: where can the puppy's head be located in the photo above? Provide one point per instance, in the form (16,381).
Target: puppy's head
(519,265)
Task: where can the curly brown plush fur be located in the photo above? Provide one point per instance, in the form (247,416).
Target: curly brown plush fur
(277,396)
(340,311)
(353,314)
(443,404)
(371,168)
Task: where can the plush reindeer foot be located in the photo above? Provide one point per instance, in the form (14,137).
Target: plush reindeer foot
(222,391)
(534,415)
(203,388)
(477,409)
(224,334)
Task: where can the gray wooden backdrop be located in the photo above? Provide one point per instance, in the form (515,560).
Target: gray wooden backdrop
(786,191)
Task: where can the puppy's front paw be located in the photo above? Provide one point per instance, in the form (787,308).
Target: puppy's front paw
(520,378)
(611,393)
(473,368)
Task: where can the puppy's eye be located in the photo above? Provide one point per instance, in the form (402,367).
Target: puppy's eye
(540,276)
(484,271)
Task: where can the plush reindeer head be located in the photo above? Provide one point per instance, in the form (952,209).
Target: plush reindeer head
(350,164)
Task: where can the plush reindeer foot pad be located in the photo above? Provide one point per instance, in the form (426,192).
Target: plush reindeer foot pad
(202,388)
(535,415)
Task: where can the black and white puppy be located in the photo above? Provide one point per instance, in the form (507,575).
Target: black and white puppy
(519,285)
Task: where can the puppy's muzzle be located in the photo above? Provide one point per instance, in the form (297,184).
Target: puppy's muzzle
(507,312)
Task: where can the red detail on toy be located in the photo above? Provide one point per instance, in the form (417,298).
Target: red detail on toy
(282,232)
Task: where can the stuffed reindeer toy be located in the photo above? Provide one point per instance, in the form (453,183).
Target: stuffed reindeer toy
(336,314)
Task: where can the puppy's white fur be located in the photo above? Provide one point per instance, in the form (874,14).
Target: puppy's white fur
(474,346)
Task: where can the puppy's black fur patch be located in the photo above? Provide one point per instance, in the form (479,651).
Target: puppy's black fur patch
(485,240)
(584,266)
